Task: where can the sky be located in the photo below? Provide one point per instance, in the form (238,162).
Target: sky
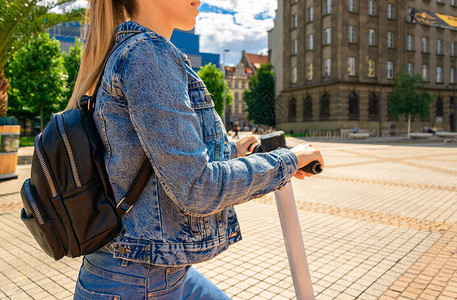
(235,25)
(231,24)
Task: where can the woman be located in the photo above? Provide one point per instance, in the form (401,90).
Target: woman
(152,103)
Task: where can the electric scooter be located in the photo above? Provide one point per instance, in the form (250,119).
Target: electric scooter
(291,230)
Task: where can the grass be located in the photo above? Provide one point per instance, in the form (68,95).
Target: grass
(296,135)
(25,141)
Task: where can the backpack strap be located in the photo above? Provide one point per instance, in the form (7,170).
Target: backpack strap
(135,189)
(145,171)
(93,99)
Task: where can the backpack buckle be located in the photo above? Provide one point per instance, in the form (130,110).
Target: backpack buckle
(122,210)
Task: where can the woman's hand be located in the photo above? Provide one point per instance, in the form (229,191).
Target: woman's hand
(242,146)
(306,154)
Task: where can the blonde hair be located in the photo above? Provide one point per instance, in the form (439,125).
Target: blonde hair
(102,18)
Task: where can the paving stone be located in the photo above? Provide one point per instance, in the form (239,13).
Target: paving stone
(378,223)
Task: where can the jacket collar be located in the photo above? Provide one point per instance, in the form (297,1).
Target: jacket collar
(130,27)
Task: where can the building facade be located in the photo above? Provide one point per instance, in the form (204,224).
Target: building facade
(340,60)
(275,40)
(237,80)
(66,33)
(189,43)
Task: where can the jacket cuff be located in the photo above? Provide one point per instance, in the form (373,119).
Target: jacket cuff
(233,150)
(289,164)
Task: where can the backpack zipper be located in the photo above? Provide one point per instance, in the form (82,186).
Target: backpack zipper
(66,142)
(33,205)
(44,167)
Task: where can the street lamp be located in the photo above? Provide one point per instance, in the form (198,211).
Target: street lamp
(223,86)
(380,94)
(454,125)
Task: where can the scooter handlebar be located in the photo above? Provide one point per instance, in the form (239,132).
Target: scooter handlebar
(271,141)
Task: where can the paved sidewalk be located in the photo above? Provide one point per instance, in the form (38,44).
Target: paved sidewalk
(379,223)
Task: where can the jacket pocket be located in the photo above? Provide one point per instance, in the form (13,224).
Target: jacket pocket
(203,106)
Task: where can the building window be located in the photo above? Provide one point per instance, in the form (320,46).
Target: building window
(294,1)
(425,73)
(371,68)
(452,75)
(410,69)
(311,42)
(243,84)
(371,37)
(439,107)
(327,67)
(371,8)
(310,71)
(295,47)
(373,108)
(294,21)
(324,108)
(351,66)
(294,75)
(353,106)
(308,108)
(351,5)
(439,1)
(328,7)
(425,45)
(452,51)
(453,2)
(409,15)
(390,39)
(439,74)
(310,14)
(439,47)
(328,36)
(410,42)
(351,34)
(292,110)
(390,11)
(390,70)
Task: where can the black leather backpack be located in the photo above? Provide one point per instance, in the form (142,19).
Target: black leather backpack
(68,202)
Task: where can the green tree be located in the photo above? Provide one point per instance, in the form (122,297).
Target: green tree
(213,79)
(409,97)
(38,78)
(20,21)
(72,61)
(260,96)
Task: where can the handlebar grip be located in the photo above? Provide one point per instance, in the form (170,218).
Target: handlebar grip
(257,148)
(313,167)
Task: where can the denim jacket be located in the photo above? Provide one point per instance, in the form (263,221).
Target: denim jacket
(152,103)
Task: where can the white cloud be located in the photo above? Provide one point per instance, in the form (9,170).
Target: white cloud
(251,7)
(237,32)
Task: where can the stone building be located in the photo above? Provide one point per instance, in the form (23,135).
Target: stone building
(237,80)
(337,56)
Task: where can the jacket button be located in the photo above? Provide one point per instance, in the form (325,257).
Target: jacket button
(121,250)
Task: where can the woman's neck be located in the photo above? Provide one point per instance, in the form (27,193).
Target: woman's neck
(155,23)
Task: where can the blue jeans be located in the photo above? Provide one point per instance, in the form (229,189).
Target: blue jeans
(103,277)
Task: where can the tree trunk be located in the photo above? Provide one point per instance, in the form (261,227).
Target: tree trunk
(4,86)
(409,125)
